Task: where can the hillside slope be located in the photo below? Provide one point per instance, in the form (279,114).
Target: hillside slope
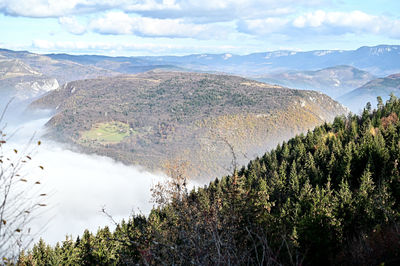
(369,92)
(333,81)
(206,120)
(62,70)
(331,197)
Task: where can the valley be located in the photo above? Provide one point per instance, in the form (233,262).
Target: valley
(181,132)
(172,110)
(141,119)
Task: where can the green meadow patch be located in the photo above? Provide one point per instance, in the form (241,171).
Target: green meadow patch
(106,133)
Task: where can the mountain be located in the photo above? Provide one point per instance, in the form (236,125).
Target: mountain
(62,70)
(209,121)
(22,84)
(379,60)
(370,91)
(12,68)
(333,81)
(126,65)
(330,197)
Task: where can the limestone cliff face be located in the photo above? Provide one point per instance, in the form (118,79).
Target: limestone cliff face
(23,83)
(26,90)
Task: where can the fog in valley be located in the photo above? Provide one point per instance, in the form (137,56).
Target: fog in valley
(78,185)
(181,132)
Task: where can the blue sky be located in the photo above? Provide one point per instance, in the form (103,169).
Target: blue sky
(177,27)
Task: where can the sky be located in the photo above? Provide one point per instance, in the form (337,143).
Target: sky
(179,27)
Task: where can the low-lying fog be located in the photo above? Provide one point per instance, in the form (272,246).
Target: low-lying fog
(79,184)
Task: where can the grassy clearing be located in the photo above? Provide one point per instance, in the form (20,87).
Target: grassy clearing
(106,133)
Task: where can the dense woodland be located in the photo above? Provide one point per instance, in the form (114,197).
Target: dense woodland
(331,196)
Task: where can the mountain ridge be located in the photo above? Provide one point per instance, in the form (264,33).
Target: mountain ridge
(369,92)
(380,60)
(334,81)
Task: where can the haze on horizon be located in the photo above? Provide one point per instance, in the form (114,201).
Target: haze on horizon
(177,27)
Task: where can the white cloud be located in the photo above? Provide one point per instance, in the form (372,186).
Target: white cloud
(72,25)
(37,8)
(121,23)
(148,5)
(324,23)
(207,9)
(311,19)
(58,8)
(349,22)
(354,19)
(262,26)
(207,19)
(113,23)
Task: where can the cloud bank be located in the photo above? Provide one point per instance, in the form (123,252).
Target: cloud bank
(256,25)
(117,23)
(319,21)
(203,19)
(324,23)
(207,9)
(79,185)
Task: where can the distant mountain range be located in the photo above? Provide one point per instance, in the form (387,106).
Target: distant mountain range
(158,117)
(334,81)
(379,60)
(369,92)
(334,72)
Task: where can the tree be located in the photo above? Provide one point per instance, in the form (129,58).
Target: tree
(20,197)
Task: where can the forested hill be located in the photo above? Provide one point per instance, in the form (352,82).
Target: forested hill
(331,196)
(156,117)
